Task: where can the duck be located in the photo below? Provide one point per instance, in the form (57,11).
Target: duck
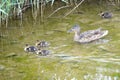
(87,36)
(42,44)
(43,52)
(29,48)
(106,14)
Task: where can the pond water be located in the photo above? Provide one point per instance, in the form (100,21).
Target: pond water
(99,60)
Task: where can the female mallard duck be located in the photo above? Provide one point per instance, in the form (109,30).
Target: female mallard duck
(29,48)
(41,44)
(87,36)
(105,14)
(43,52)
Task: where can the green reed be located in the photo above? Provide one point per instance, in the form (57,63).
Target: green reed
(15,8)
(9,8)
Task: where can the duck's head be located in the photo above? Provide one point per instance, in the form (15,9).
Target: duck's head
(75,28)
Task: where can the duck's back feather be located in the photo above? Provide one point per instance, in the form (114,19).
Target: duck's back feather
(92,35)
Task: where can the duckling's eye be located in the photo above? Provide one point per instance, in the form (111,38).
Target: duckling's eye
(27,48)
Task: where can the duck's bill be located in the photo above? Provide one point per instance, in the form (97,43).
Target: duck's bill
(69,31)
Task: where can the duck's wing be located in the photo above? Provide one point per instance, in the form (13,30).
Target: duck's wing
(92,35)
(90,32)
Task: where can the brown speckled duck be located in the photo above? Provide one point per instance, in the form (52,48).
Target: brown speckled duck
(87,36)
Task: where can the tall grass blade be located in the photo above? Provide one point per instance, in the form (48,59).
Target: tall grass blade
(2,11)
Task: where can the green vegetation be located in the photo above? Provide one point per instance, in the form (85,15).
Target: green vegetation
(15,8)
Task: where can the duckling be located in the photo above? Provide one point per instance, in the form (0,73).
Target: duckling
(29,48)
(106,14)
(41,44)
(87,36)
(43,52)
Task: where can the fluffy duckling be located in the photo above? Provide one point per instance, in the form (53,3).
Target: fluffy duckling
(106,14)
(29,48)
(43,52)
(41,44)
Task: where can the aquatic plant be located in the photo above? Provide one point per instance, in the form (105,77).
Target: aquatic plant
(15,8)
(9,8)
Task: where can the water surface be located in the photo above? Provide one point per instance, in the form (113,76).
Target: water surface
(99,60)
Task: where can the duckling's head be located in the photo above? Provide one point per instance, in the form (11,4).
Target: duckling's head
(75,28)
(37,40)
(26,45)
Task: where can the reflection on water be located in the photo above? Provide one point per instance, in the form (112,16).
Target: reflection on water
(100,71)
(103,59)
(99,76)
(101,41)
(59,47)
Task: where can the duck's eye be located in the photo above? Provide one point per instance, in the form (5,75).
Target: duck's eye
(74,27)
(27,48)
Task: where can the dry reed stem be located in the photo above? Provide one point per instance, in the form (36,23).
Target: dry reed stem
(57,10)
(73,8)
